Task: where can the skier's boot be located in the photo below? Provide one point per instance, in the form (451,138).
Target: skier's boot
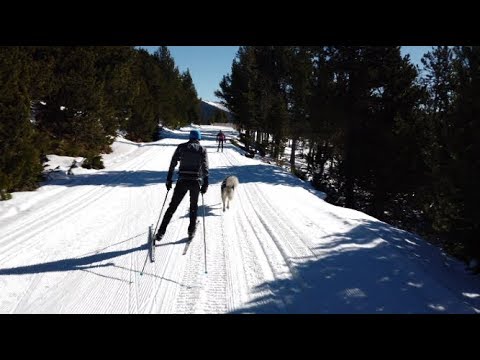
(159,236)
(192,231)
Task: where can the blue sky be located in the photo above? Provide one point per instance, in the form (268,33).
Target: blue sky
(208,64)
(416,53)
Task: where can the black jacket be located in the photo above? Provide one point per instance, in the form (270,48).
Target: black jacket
(193,162)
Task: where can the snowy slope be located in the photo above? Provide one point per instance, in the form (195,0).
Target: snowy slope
(78,246)
(217,105)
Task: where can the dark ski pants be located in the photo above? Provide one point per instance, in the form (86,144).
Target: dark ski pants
(178,194)
(220,143)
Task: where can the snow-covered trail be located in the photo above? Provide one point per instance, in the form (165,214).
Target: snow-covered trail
(79,247)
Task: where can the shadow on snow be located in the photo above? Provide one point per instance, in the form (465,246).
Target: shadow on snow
(359,272)
(86,263)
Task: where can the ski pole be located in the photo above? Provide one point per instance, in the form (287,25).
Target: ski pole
(161,211)
(204,240)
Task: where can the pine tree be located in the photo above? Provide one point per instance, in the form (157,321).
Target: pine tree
(352,90)
(20,167)
(440,82)
(76,114)
(115,68)
(191,103)
(464,146)
(394,161)
(451,147)
(300,68)
(168,96)
(146,112)
(325,119)
(239,91)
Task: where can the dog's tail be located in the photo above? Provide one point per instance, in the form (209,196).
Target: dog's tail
(231,182)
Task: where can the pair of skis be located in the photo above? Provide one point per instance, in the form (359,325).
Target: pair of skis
(151,244)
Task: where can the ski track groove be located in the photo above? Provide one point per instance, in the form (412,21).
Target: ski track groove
(255,270)
(259,253)
(257,266)
(237,272)
(156,303)
(61,214)
(205,293)
(189,293)
(32,285)
(286,241)
(40,213)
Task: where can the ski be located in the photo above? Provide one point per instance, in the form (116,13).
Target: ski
(151,244)
(186,246)
(150,249)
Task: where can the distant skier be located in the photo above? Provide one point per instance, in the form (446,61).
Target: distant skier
(193,169)
(220,140)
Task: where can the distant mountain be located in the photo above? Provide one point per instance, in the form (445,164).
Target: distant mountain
(208,110)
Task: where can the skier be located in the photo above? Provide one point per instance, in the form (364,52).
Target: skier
(193,168)
(220,140)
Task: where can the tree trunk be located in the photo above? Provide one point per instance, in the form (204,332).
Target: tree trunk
(309,156)
(348,163)
(292,155)
(247,139)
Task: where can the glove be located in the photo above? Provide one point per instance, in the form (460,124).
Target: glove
(168,184)
(204,187)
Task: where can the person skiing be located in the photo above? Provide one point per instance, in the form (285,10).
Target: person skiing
(193,169)
(220,140)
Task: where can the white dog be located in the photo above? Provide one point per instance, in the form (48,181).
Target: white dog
(228,189)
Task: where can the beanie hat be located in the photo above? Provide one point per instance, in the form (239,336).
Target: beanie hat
(195,134)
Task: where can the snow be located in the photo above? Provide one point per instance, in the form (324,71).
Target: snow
(121,150)
(78,244)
